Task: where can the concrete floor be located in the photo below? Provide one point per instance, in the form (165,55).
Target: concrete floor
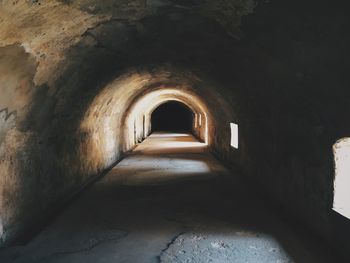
(168,201)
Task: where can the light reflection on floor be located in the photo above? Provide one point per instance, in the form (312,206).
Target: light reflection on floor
(164,158)
(170,143)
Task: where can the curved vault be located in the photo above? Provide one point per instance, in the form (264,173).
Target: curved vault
(109,123)
(98,133)
(138,117)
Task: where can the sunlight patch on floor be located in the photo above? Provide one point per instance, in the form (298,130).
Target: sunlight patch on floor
(164,158)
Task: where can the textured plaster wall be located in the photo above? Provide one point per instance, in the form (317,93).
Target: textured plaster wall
(303,108)
(68,90)
(16,72)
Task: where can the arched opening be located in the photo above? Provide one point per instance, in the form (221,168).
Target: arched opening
(181,105)
(172,116)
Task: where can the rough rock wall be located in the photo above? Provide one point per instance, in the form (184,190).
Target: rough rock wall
(303,106)
(56,61)
(16,73)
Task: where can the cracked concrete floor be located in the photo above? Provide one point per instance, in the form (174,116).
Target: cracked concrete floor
(168,201)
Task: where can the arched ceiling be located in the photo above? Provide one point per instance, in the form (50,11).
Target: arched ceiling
(69,70)
(48,29)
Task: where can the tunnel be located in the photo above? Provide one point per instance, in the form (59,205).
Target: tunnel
(172,116)
(174,131)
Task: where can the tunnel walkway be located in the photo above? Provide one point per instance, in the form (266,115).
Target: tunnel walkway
(168,201)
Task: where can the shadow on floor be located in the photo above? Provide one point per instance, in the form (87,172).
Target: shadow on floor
(169,207)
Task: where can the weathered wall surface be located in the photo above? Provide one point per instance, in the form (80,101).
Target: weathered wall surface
(69,70)
(68,84)
(16,73)
(303,106)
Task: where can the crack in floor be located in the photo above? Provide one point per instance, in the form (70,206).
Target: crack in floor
(172,241)
(214,220)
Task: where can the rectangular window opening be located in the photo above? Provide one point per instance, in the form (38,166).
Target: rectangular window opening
(342,177)
(234,135)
